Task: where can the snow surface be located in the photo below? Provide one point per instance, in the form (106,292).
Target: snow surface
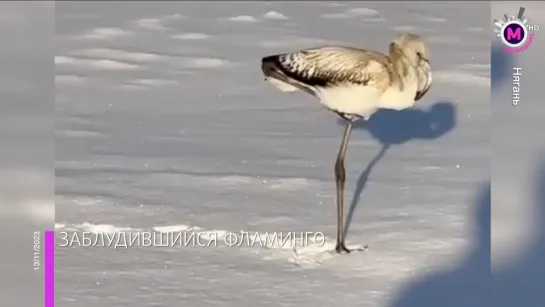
(166,124)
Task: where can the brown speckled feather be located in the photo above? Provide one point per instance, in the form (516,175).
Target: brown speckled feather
(334,66)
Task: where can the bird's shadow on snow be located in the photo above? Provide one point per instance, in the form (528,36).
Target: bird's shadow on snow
(472,283)
(392,127)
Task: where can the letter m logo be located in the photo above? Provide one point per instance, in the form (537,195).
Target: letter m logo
(511,34)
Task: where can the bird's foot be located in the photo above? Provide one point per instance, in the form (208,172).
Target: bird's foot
(342,249)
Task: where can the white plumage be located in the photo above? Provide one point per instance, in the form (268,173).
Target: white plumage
(354,83)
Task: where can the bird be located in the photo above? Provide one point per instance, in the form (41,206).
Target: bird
(354,83)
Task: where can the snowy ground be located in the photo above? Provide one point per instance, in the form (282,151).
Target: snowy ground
(164,120)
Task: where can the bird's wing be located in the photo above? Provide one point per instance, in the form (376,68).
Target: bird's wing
(424,79)
(331,66)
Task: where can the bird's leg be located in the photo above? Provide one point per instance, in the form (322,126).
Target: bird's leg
(340,177)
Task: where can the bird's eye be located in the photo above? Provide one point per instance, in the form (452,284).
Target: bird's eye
(421,57)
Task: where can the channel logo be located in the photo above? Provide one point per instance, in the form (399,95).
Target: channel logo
(515,32)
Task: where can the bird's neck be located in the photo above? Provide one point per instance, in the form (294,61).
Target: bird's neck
(402,65)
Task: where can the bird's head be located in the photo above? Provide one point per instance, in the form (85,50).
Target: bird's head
(413,46)
(415,49)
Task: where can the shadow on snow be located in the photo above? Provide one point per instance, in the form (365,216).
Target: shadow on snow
(392,127)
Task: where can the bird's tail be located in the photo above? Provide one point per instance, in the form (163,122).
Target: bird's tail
(272,68)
